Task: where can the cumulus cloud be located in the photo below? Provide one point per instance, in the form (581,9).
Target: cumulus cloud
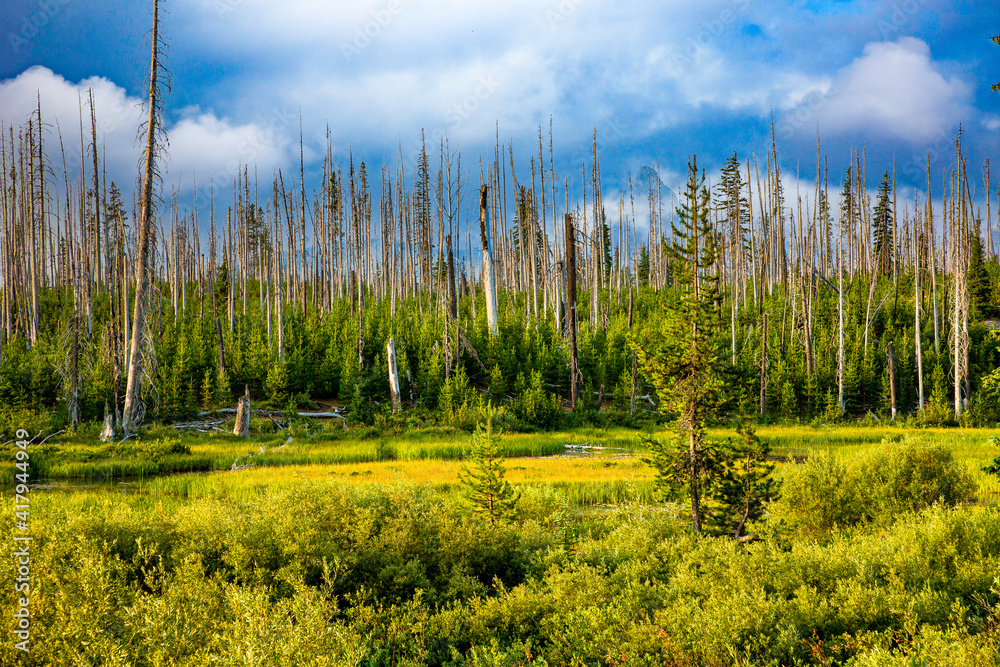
(896,88)
(659,79)
(199,141)
(62,103)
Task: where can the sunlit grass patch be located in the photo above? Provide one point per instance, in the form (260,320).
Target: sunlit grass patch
(601,479)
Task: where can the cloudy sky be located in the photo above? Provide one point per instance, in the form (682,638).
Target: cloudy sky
(659,80)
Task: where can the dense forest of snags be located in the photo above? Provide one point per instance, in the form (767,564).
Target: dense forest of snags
(829,304)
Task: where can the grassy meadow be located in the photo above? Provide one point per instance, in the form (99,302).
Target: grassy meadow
(358,547)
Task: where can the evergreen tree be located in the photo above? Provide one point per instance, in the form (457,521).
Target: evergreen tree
(734,210)
(683,361)
(643,267)
(847,198)
(746,483)
(490,494)
(605,232)
(882,228)
(938,412)
(978,280)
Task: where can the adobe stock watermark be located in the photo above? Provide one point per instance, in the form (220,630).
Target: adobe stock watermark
(562,12)
(223,7)
(109,118)
(710,32)
(806,111)
(610,132)
(22,543)
(901,15)
(454,116)
(462,110)
(941,145)
(34,25)
(363,35)
(247,151)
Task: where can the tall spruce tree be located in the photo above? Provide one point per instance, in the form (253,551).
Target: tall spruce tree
(734,209)
(882,228)
(643,265)
(682,359)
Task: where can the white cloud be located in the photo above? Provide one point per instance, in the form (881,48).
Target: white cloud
(896,88)
(117,115)
(199,142)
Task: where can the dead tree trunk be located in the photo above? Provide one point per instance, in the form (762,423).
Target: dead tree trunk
(840,317)
(393,374)
(242,426)
(133,404)
(74,387)
(574,392)
(489,283)
(916,315)
(763,366)
(891,356)
(108,433)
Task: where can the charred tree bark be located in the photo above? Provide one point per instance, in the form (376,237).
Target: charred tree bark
(891,356)
(489,283)
(133,404)
(242,426)
(393,375)
(574,392)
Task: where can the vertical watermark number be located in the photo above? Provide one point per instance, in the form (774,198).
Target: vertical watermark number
(22,543)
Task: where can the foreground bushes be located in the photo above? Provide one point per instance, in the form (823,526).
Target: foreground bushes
(323,574)
(884,482)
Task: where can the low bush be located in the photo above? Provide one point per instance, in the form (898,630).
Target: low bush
(879,485)
(318,573)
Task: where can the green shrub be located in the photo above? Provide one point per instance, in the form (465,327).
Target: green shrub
(32,421)
(818,496)
(535,406)
(910,476)
(147,449)
(877,486)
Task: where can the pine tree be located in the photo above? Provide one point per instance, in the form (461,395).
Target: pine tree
(734,210)
(938,412)
(490,494)
(605,231)
(847,212)
(683,362)
(746,484)
(643,267)
(882,228)
(978,280)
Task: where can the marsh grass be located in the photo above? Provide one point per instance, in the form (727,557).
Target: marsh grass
(584,480)
(80,456)
(432,455)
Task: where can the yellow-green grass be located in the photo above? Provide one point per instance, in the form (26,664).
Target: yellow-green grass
(587,480)
(431,455)
(73,457)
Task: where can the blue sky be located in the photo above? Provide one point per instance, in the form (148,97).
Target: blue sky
(658,80)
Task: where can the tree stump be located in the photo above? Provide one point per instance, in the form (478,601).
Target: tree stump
(242,426)
(108,433)
(390,349)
